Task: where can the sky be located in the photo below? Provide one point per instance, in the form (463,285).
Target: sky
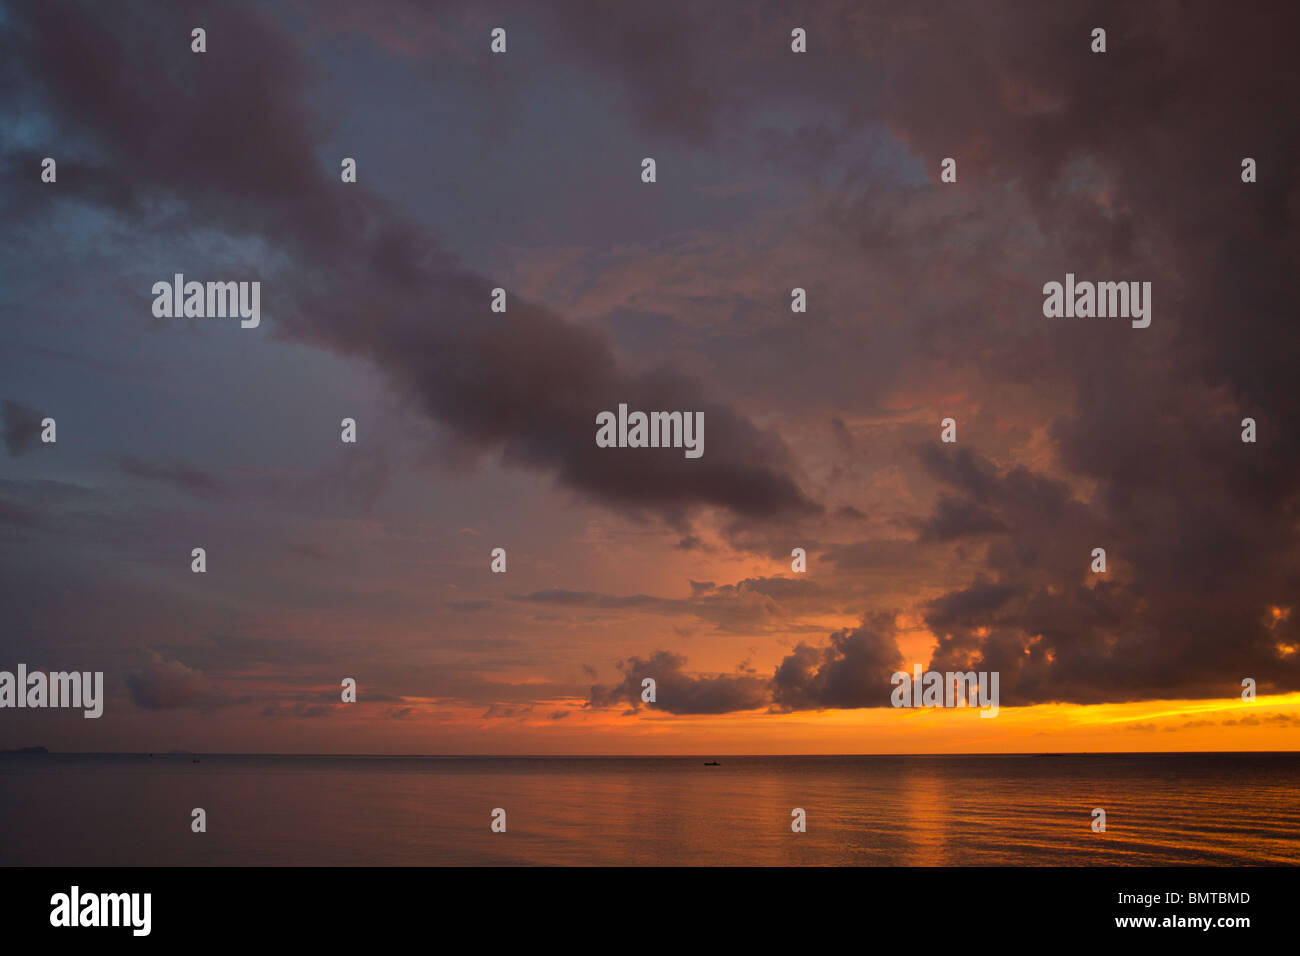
(775,170)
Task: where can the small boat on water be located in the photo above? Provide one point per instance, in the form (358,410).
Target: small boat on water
(712,763)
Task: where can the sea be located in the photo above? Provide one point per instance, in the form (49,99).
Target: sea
(1227,809)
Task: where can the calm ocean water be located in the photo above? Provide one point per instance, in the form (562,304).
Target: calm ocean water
(959,810)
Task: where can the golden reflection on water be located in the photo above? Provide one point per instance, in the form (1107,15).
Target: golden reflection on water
(925,815)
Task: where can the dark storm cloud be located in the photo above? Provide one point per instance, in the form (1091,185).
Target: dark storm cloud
(22,426)
(852,670)
(955,518)
(968,605)
(889,554)
(1172,616)
(679,693)
(169,684)
(1130,162)
(1199,527)
(228,135)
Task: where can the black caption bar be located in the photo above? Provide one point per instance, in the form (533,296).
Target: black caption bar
(174,905)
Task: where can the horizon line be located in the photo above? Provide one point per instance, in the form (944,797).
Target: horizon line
(36,751)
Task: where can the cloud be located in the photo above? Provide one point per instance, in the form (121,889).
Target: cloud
(751,604)
(526,385)
(297,709)
(1065,167)
(177,473)
(852,671)
(955,518)
(1058,632)
(21,426)
(677,692)
(968,605)
(507,711)
(169,685)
